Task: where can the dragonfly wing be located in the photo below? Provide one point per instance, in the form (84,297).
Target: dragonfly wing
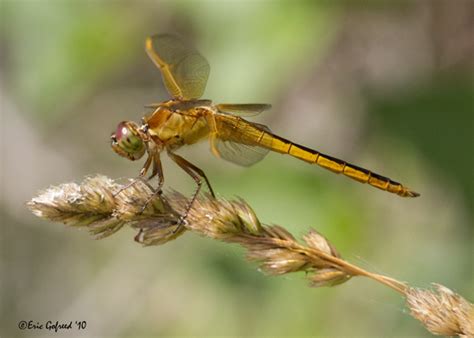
(245,109)
(153,105)
(240,154)
(236,140)
(184,70)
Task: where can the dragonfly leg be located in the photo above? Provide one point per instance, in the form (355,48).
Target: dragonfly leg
(157,170)
(197,174)
(140,177)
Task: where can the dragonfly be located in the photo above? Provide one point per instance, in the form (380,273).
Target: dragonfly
(186,119)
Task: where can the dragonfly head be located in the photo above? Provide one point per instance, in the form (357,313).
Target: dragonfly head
(127,141)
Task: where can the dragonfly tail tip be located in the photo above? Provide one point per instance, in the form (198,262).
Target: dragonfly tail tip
(411,193)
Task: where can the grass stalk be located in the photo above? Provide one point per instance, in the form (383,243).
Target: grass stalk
(100,205)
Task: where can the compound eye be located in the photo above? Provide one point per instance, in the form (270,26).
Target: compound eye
(121,132)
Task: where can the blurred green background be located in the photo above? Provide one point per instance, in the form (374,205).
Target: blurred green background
(383,84)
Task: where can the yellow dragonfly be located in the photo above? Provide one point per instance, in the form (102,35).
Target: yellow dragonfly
(186,119)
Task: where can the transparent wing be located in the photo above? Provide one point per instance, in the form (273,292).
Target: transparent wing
(237,140)
(245,109)
(153,105)
(184,70)
(239,154)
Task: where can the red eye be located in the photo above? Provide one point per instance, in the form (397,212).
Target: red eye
(122,130)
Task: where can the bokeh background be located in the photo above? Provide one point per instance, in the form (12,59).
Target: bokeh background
(387,85)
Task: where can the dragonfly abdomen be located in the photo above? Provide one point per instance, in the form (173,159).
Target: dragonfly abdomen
(335,165)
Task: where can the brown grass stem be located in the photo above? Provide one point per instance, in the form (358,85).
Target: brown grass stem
(101,205)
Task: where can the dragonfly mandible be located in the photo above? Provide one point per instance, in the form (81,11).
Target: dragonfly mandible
(186,119)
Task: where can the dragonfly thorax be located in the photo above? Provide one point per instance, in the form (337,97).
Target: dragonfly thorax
(127,141)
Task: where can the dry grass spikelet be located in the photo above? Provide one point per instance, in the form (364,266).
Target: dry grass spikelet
(103,206)
(442,311)
(90,204)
